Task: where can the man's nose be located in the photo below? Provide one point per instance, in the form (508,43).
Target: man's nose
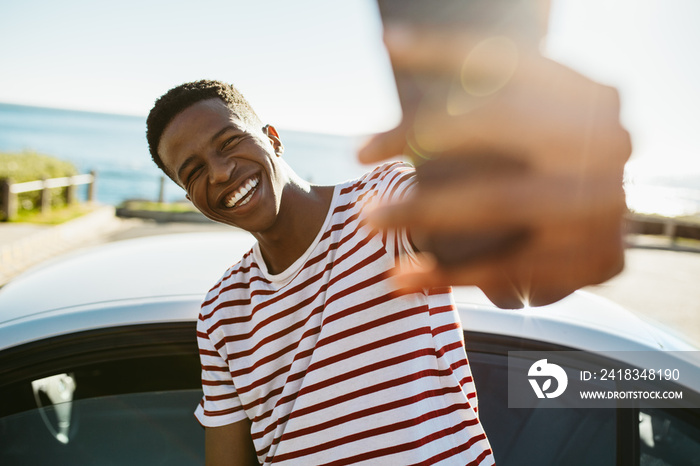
(220,169)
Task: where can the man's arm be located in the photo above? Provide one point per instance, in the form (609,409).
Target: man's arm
(230,445)
(562,127)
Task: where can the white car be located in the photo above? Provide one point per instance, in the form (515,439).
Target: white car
(99,365)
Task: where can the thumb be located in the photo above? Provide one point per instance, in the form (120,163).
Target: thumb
(383,146)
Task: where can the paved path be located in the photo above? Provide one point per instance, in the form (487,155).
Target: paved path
(662,285)
(22,246)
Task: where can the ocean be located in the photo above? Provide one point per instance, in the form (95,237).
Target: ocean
(115,147)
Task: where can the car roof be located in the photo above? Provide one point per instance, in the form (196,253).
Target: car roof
(164,278)
(151,279)
(167,265)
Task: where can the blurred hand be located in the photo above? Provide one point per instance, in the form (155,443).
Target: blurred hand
(466,101)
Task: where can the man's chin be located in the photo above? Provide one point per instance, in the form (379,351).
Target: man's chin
(250,227)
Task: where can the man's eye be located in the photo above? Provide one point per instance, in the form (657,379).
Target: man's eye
(231,142)
(193,173)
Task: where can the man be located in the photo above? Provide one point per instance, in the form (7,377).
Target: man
(310,352)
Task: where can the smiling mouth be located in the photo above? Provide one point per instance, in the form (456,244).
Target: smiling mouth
(242,195)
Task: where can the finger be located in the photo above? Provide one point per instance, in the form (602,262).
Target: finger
(556,271)
(559,275)
(556,133)
(507,296)
(537,277)
(383,146)
(487,205)
(544,99)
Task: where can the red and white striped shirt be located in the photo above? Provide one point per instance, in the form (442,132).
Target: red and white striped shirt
(329,361)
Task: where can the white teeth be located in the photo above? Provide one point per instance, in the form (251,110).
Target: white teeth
(244,201)
(241,193)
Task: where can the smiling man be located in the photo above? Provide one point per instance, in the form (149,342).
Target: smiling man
(233,172)
(310,354)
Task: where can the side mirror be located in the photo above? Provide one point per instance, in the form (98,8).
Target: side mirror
(58,390)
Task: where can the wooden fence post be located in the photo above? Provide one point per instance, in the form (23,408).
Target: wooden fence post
(70,192)
(92,187)
(9,200)
(44,198)
(161,192)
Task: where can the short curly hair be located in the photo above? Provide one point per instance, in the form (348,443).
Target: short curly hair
(179,98)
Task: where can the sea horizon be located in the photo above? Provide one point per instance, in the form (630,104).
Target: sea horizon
(115,147)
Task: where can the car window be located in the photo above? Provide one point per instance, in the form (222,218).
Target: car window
(570,436)
(577,436)
(669,437)
(130,359)
(547,436)
(121,396)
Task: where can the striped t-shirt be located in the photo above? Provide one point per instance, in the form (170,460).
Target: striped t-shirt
(330,362)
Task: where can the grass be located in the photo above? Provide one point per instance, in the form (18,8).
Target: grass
(31,166)
(55,216)
(62,214)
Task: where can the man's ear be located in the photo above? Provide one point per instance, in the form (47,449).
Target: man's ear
(274,137)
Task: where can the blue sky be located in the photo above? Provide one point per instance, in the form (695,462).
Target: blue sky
(319,66)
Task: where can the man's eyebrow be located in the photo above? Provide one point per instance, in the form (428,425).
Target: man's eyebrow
(239,132)
(221,131)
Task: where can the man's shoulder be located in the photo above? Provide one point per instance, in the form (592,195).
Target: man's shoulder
(379,178)
(235,279)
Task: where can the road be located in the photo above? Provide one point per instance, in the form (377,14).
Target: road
(663,285)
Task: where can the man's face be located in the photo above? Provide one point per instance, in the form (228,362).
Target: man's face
(231,172)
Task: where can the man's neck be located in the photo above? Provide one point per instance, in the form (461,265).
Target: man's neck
(303,211)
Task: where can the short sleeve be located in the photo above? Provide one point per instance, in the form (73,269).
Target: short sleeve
(220,404)
(396,184)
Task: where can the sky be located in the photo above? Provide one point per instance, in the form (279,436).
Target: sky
(319,66)
(306,64)
(650,51)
